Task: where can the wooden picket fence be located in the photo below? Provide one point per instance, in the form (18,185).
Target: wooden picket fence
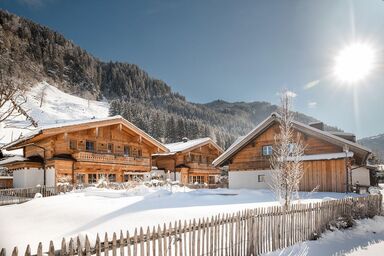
(250,232)
(21,195)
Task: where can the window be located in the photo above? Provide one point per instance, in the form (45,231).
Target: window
(112,177)
(261,178)
(92,178)
(80,178)
(196,179)
(73,144)
(110,148)
(139,153)
(127,150)
(90,146)
(267,150)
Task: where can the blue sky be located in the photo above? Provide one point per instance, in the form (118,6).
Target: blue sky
(236,50)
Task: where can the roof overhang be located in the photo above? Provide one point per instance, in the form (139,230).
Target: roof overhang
(83,125)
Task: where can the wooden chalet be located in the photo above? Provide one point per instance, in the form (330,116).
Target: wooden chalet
(82,152)
(190,161)
(325,159)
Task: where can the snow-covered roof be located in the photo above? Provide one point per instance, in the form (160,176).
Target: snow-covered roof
(181,146)
(6,177)
(188,145)
(12,159)
(239,143)
(40,130)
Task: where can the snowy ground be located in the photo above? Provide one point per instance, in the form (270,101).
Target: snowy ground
(366,238)
(57,107)
(98,210)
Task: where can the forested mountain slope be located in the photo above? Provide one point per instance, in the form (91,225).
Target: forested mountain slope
(33,53)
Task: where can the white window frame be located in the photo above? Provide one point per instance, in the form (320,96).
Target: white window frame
(267,150)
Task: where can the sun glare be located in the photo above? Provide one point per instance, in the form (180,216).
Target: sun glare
(354,63)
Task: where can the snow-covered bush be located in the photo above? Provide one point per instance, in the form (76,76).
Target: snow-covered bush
(374,190)
(341,223)
(38,195)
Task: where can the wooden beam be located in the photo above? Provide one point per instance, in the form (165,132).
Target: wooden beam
(97,131)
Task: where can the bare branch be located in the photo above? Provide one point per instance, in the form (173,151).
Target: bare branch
(12,100)
(286,164)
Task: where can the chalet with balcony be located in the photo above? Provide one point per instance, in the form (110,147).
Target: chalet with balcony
(190,161)
(82,152)
(332,161)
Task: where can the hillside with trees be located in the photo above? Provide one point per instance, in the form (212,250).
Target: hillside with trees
(33,53)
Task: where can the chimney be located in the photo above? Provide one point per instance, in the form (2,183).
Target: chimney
(317,125)
(184,139)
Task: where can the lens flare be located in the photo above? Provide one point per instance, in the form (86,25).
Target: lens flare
(354,63)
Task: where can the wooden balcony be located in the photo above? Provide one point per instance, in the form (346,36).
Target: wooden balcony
(110,158)
(201,166)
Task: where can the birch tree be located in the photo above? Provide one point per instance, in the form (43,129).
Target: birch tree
(286,163)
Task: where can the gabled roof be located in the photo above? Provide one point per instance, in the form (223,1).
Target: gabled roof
(270,120)
(51,130)
(185,146)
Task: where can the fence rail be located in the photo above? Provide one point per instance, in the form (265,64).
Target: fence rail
(250,232)
(21,195)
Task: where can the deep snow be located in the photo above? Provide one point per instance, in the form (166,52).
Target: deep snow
(101,210)
(366,238)
(57,107)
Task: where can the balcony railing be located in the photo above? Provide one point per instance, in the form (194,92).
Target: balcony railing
(110,158)
(198,165)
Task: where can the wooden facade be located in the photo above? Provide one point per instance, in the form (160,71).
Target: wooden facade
(326,173)
(193,163)
(84,152)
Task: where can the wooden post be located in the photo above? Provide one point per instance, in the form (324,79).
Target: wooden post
(51,251)
(40,249)
(15,251)
(27,251)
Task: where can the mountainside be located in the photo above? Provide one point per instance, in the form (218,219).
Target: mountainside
(33,54)
(376,143)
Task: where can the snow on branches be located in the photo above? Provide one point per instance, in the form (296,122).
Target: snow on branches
(286,163)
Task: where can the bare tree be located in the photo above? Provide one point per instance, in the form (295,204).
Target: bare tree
(12,100)
(286,163)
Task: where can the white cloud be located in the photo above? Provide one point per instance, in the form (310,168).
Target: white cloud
(290,94)
(312,104)
(311,84)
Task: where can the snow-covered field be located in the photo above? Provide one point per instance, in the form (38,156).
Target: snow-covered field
(57,107)
(99,210)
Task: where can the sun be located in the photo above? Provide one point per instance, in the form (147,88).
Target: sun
(354,63)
